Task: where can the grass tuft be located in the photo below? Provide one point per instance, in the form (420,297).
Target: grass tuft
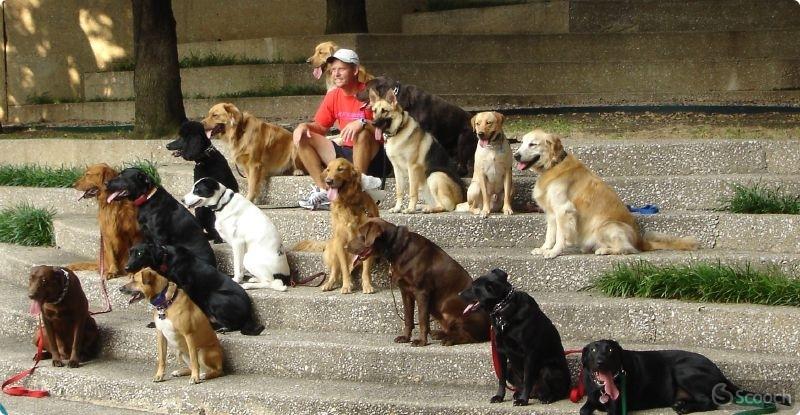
(26,225)
(701,281)
(39,176)
(215,59)
(148,167)
(286,90)
(761,199)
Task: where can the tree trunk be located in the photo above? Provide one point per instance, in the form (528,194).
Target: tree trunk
(156,77)
(346,16)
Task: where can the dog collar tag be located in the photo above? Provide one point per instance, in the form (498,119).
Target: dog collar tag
(604,398)
(162,314)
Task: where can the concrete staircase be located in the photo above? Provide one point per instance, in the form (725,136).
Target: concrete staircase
(333,353)
(538,54)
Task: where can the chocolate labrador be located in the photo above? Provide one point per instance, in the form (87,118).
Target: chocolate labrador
(426,276)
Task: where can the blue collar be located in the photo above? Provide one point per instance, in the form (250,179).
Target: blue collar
(162,303)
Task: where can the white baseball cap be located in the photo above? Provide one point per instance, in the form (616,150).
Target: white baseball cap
(344,55)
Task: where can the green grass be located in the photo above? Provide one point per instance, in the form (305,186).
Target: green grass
(25,225)
(39,176)
(148,167)
(701,281)
(759,198)
(215,59)
(44,98)
(516,127)
(287,90)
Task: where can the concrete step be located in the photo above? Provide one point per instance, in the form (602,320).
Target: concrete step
(301,108)
(54,405)
(564,16)
(475,77)
(205,81)
(579,315)
(606,157)
(375,357)
(695,192)
(125,383)
(521,48)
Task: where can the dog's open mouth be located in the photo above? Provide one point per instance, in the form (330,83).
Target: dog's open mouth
(605,380)
(317,72)
(471,308)
(136,297)
(525,165)
(90,193)
(177,153)
(333,193)
(219,128)
(116,195)
(362,256)
(483,142)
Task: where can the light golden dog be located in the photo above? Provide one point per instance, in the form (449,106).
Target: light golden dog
(491,179)
(417,158)
(319,64)
(263,149)
(582,210)
(181,324)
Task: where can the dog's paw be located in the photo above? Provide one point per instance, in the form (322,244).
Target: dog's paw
(58,363)
(520,402)
(551,254)
(485,213)
(539,251)
(180,372)
(158,378)
(368,289)
(496,399)
(327,287)
(409,210)
(395,209)
(298,172)
(193,380)
(680,407)
(203,375)
(73,364)
(419,342)
(507,210)
(347,289)
(401,339)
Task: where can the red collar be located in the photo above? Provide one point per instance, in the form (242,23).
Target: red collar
(144,197)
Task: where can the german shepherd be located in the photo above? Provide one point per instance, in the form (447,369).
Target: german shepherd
(417,158)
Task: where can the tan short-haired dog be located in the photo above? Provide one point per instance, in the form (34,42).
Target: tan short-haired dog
(263,149)
(181,324)
(582,210)
(491,179)
(319,64)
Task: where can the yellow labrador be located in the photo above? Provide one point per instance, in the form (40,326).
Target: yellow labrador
(582,210)
(319,64)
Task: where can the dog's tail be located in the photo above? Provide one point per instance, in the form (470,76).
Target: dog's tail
(252,328)
(84,266)
(308,245)
(655,240)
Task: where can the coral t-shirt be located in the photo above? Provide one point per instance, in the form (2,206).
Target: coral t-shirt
(341,108)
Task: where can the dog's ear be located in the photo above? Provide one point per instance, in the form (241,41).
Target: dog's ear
(371,231)
(500,274)
(373,96)
(233,113)
(499,118)
(144,178)
(585,357)
(391,98)
(108,173)
(473,121)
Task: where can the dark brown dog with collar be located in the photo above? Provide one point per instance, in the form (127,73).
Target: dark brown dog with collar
(69,329)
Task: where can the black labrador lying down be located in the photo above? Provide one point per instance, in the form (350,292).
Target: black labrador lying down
(528,344)
(448,123)
(224,301)
(193,145)
(687,382)
(162,219)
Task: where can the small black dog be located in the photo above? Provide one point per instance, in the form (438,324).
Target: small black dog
(224,301)
(687,382)
(193,145)
(162,219)
(529,346)
(448,123)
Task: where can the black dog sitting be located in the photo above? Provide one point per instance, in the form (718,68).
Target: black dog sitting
(224,301)
(162,219)
(687,382)
(193,145)
(447,122)
(529,346)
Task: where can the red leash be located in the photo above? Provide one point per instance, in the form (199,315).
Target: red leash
(575,394)
(103,287)
(19,390)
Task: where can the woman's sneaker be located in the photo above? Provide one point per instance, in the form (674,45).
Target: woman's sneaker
(316,200)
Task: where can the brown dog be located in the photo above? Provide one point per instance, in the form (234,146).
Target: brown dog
(263,149)
(426,275)
(69,329)
(350,207)
(181,324)
(118,224)
(319,64)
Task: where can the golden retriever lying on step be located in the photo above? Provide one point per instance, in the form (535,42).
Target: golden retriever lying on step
(581,209)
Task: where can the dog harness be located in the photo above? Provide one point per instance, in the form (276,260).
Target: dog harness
(66,286)
(145,197)
(162,303)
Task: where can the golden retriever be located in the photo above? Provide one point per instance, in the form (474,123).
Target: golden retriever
(263,149)
(491,179)
(417,158)
(350,208)
(119,227)
(582,210)
(319,63)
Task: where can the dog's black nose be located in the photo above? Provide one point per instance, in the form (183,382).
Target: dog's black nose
(481,134)
(329,181)
(517,156)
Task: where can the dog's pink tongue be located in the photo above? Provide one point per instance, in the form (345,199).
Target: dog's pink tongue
(208,132)
(378,134)
(112,196)
(317,73)
(610,388)
(470,308)
(483,143)
(521,166)
(333,193)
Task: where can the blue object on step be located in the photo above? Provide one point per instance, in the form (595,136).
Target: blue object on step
(3,410)
(644,210)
